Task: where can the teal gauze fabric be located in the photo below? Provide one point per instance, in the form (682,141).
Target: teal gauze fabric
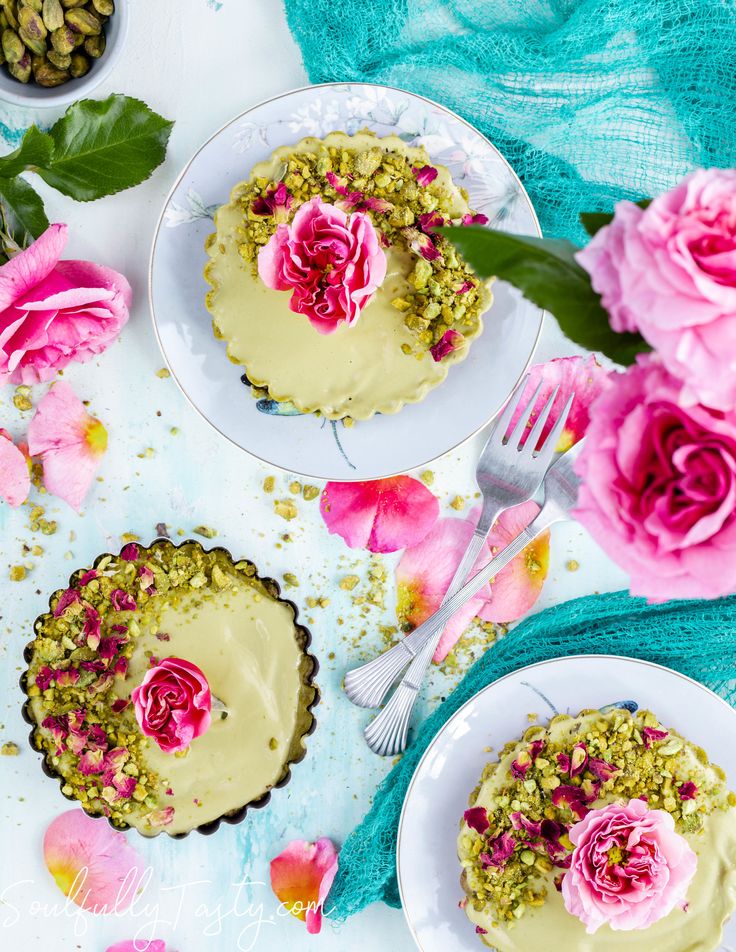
(591,101)
(696,638)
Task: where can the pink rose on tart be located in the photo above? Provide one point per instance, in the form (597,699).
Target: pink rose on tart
(629,867)
(173,704)
(332,263)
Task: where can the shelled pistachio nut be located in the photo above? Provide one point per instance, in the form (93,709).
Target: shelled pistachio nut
(13,48)
(60,60)
(52,41)
(94,46)
(53,15)
(21,69)
(80,65)
(31,23)
(82,21)
(36,44)
(62,39)
(11,13)
(46,74)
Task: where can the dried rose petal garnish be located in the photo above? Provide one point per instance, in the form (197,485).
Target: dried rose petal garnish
(449,342)
(477,819)
(425,175)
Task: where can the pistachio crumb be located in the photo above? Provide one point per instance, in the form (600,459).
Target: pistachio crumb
(9,749)
(285,508)
(268,484)
(205,531)
(17,573)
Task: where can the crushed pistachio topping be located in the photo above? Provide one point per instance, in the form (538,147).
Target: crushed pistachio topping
(405,204)
(514,843)
(76,680)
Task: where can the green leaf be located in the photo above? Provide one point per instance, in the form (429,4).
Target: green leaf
(22,212)
(546,272)
(592,222)
(105,147)
(36,150)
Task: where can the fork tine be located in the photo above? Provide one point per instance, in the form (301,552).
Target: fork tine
(502,424)
(536,431)
(553,437)
(523,422)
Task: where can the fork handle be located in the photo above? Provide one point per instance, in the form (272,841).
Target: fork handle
(368,684)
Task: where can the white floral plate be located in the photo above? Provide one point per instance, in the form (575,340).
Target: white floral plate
(427,864)
(475,389)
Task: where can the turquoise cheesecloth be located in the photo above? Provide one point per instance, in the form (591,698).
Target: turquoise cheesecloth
(696,638)
(590,100)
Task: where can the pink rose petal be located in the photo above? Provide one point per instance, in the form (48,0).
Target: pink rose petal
(582,376)
(629,867)
(138,945)
(301,878)
(331,261)
(382,515)
(69,441)
(517,587)
(15,479)
(53,312)
(424,573)
(173,704)
(477,819)
(425,175)
(92,864)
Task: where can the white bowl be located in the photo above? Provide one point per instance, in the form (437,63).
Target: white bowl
(30,94)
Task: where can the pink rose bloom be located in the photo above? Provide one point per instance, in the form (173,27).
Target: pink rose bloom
(669,272)
(629,867)
(173,704)
(53,312)
(332,263)
(659,486)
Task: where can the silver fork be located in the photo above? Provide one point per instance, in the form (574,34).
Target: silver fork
(388,731)
(508,473)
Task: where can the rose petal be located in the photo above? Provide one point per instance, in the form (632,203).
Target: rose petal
(477,819)
(69,441)
(92,864)
(582,376)
(517,587)
(138,945)
(301,878)
(382,515)
(15,479)
(29,267)
(424,573)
